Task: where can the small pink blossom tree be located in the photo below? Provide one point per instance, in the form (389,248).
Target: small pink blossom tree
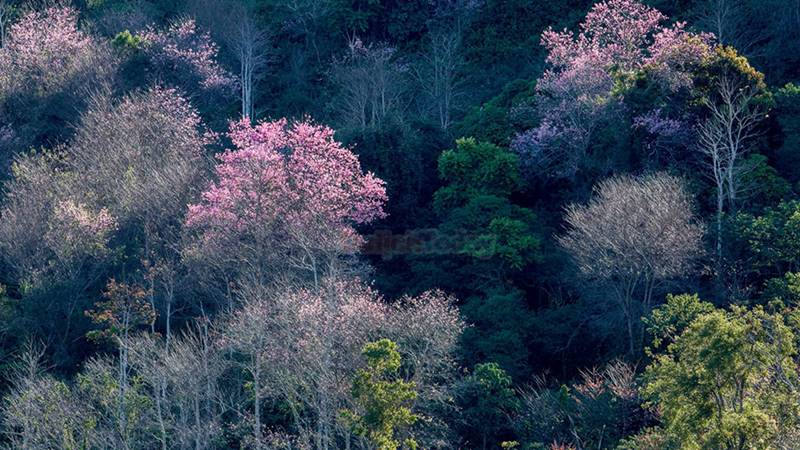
(288,194)
(47,64)
(183,51)
(44,48)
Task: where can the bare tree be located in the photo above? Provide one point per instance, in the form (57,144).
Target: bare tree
(302,346)
(233,24)
(31,196)
(371,86)
(249,332)
(634,234)
(19,407)
(542,407)
(157,159)
(40,412)
(131,169)
(439,71)
(118,421)
(710,139)
(438,74)
(731,21)
(47,236)
(287,341)
(121,313)
(297,346)
(142,158)
(147,355)
(733,124)
(164,275)
(723,138)
(248,43)
(183,383)
(309,14)
(428,327)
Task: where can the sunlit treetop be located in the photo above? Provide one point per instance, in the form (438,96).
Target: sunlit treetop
(44,47)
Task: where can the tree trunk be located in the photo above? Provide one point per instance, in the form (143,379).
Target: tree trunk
(159,411)
(257,402)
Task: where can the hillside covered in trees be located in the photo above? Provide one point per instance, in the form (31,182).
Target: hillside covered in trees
(400,224)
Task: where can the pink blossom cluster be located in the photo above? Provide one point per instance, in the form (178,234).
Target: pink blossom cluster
(577,92)
(615,32)
(182,48)
(44,48)
(675,52)
(621,36)
(288,179)
(655,123)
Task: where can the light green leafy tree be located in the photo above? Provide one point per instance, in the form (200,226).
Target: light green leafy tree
(382,399)
(727,381)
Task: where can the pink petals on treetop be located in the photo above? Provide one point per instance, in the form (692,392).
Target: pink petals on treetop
(44,48)
(285,174)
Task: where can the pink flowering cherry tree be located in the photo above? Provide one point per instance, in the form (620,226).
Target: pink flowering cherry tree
(287,195)
(580,90)
(614,33)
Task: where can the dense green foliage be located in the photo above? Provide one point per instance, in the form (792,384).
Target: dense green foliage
(727,379)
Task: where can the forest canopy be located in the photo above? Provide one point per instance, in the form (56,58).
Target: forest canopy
(384,224)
